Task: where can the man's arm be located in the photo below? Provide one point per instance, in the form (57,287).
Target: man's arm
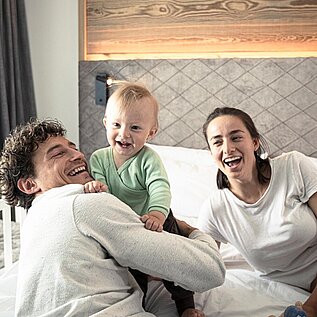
(193,263)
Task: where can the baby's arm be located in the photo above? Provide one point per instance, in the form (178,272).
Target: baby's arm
(95,187)
(154,220)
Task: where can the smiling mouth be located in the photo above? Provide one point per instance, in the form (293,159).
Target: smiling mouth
(232,161)
(123,144)
(77,171)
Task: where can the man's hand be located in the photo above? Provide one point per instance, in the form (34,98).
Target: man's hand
(95,187)
(154,221)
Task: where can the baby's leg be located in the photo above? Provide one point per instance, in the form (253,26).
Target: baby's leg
(170,224)
(158,300)
(142,280)
(184,299)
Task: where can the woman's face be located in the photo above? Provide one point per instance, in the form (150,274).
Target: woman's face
(232,148)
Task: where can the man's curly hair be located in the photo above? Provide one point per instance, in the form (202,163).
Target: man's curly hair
(16,161)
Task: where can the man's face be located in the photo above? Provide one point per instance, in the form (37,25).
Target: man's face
(57,162)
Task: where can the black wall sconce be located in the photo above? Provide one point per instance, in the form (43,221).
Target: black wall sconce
(102,89)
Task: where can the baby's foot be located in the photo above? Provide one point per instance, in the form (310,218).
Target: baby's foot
(192,312)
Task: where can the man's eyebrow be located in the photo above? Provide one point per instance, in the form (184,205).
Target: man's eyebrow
(57,146)
(51,149)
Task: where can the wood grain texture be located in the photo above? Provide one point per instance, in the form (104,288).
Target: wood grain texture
(154,29)
(82,29)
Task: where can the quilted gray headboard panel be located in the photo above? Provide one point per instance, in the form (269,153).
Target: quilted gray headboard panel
(279,94)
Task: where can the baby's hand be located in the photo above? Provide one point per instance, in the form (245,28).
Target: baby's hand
(95,187)
(154,221)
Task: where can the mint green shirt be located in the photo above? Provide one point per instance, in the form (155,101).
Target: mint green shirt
(141,182)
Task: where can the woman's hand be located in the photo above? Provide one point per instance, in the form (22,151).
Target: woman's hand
(295,311)
(184,228)
(310,312)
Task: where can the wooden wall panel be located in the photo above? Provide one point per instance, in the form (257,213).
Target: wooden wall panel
(192,29)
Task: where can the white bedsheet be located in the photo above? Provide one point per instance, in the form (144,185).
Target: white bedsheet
(243,294)
(192,178)
(8,280)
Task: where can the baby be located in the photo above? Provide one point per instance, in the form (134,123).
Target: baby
(135,174)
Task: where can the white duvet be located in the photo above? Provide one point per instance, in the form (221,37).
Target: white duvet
(244,294)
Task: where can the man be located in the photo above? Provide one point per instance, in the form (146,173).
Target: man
(76,247)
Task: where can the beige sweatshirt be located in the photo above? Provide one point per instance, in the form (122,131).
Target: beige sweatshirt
(76,248)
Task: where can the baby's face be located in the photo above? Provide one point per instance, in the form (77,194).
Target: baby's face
(129,129)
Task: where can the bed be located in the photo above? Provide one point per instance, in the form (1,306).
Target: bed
(192,177)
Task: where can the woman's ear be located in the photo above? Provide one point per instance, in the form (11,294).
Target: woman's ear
(256,142)
(28,186)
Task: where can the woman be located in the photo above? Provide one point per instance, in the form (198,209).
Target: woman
(266,208)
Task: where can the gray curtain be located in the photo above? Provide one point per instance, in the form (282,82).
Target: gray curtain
(17,101)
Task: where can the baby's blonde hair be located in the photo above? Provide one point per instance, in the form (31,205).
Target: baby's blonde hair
(128,93)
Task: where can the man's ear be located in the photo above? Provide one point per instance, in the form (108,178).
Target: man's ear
(152,134)
(28,186)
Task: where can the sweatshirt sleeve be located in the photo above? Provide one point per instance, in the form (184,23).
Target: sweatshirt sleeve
(156,182)
(97,163)
(193,263)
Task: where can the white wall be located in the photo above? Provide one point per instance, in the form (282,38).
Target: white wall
(53,35)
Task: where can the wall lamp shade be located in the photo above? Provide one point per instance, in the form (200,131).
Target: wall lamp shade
(101,89)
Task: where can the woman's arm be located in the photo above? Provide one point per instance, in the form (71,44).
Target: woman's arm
(312,203)
(310,306)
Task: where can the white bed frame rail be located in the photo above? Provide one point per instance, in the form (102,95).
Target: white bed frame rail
(20,215)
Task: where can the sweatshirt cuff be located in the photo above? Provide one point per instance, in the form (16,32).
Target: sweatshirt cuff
(199,235)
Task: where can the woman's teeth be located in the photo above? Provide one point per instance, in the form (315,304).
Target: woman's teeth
(232,160)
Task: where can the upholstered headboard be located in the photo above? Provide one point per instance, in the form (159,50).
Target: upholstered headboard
(279,94)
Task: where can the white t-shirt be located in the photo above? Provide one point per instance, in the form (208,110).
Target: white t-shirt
(278,234)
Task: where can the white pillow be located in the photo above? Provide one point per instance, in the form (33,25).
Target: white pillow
(192,176)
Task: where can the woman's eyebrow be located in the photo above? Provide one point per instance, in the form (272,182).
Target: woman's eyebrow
(236,131)
(215,137)
(230,133)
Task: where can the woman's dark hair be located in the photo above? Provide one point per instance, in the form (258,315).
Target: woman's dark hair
(262,165)
(16,161)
